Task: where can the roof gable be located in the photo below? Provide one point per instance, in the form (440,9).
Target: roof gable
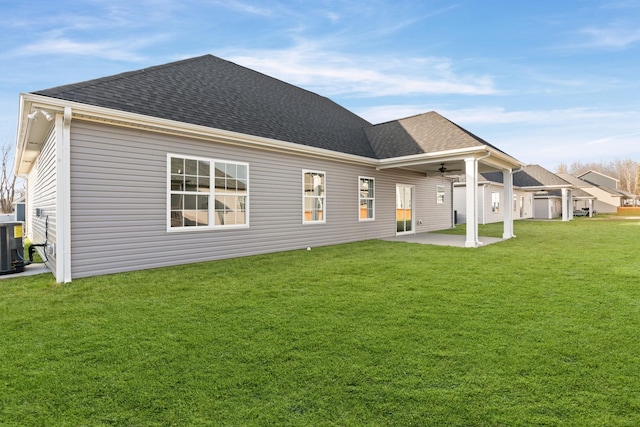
(212,92)
(423,133)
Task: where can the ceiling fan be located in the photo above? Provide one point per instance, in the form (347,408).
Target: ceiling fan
(442,169)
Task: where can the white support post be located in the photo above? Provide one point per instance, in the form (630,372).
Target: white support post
(471,174)
(507,180)
(570,201)
(565,205)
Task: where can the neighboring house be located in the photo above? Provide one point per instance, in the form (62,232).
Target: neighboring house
(19,209)
(491,203)
(202,159)
(582,199)
(605,188)
(537,193)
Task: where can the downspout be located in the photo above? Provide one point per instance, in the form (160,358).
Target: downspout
(63,231)
(453,215)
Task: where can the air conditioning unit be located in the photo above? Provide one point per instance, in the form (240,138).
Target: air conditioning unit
(11,248)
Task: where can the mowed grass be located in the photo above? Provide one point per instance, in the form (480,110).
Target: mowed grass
(543,329)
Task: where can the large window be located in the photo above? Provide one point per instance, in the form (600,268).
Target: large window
(440,194)
(195,203)
(314,197)
(366,196)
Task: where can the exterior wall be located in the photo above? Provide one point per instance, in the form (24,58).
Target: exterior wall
(547,208)
(42,196)
(119,202)
(434,216)
(524,205)
(459,204)
(605,202)
(542,209)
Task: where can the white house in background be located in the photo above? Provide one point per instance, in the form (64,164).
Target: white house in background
(202,159)
(537,193)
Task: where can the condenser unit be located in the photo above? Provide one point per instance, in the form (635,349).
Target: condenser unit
(11,248)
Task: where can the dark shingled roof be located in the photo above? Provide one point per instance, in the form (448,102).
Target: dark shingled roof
(529,176)
(424,133)
(212,92)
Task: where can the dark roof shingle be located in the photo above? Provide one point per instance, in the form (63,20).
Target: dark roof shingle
(530,176)
(423,133)
(212,92)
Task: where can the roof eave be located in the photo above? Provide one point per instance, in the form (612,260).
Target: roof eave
(122,118)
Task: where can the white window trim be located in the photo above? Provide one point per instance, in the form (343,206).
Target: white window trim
(211,213)
(438,192)
(373,218)
(304,197)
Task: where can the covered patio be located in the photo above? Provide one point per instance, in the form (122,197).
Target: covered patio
(442,148)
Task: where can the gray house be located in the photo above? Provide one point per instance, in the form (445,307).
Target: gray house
(202,159)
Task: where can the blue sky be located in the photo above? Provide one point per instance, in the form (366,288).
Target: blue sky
(547,81)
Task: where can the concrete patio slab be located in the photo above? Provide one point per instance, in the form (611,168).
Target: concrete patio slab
(441,239)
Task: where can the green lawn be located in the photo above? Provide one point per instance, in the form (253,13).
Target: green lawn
(543,329)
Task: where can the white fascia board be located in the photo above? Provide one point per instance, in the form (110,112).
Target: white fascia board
(495,158)
(546,187)
(423,158)
(121,118)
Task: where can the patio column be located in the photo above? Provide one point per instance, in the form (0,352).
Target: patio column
(565,205)
(507,180)
(471,175)
(590,208)
(570,199)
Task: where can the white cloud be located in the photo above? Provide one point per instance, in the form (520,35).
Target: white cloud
(613,37)
(243,7)
(55,43)
(57,46)
(332,73)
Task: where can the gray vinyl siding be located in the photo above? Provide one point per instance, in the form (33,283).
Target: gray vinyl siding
(433,215)
(119,202)
(42,183)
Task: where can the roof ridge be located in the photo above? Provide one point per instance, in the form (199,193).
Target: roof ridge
(406,118)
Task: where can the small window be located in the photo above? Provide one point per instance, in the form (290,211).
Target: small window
(440,194)
(314,197)
(495,202)
(195,204)
(366,198)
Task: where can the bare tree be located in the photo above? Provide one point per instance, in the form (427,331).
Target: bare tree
(7,180)
(628,175)
(562,168)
